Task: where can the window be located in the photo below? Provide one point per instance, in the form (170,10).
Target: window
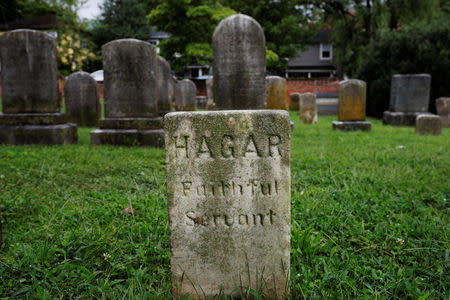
(326,51)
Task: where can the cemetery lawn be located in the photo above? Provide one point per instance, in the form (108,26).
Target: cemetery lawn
(370,217)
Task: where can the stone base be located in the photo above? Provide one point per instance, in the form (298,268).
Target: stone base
(128,137)
(401,118)
(131,123)
(352,125)
(32,119)
(60,134)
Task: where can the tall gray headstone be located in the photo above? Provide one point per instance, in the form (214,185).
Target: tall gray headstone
(131,96)
(81,99)
(239,64)
(31,104)
(163,79)
(185,95)
(29,72)
(410,96)
(228,195)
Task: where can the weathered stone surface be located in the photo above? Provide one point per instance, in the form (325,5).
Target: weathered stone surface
(81,98)
(308,108)
(210,105)
(294,101)
(239,64)
(62,134)
(427,124)
(29,72)
(352,125)
(163,79)
(276,92)
(128,137)
(131,123)
(185,95)
(410,93)
(443,110)
(130,79)
(32,119)
(352,100)
(172,85)
(228,190)
(400,118)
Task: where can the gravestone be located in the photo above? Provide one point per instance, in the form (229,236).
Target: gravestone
(275,92)
(443,110)
(294,101)
(428,124)
(352,107)
(163,79)
(228,187)
(172,84)
(308,108)
(185,95)
(410,96)
(210,105)
(81,99)
(239,64)
(130,88)
(31,104)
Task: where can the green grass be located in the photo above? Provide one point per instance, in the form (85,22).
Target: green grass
(369,218)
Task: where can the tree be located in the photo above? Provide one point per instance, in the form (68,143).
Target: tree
(122,19)
(285,24)
(191,24)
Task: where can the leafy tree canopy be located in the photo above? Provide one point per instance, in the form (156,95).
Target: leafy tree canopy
(191,24)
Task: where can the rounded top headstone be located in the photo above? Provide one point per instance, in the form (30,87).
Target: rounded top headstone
(163,70)
(185,95)
(239,63)
(81,99)
(29,72)
(130,87)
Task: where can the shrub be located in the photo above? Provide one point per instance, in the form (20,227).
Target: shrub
(417,48)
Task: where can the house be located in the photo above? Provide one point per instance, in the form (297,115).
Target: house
(314,71)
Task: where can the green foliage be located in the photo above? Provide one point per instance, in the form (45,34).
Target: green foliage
(369,219)
(122,19)
(284,24)
(420,47)
(191,24)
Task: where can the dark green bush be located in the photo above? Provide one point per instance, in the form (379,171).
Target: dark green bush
(417,48)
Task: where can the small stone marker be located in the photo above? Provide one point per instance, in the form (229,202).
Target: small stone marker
(210,105)
(294,101)
(228,187)
(185,95)
(352,106)
(81,98)
(308,108)
(443,110)
(131,108)
(163,80)
(31,104)
(410,96)
(428,124)
(239,64)
(275,92)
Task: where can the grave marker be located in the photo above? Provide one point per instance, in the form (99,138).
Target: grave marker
(81,99)
(239,64)
(308,108)
(443,110)
(185,95)
(131,107)
(275,92)
(228,187)
(31,104)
